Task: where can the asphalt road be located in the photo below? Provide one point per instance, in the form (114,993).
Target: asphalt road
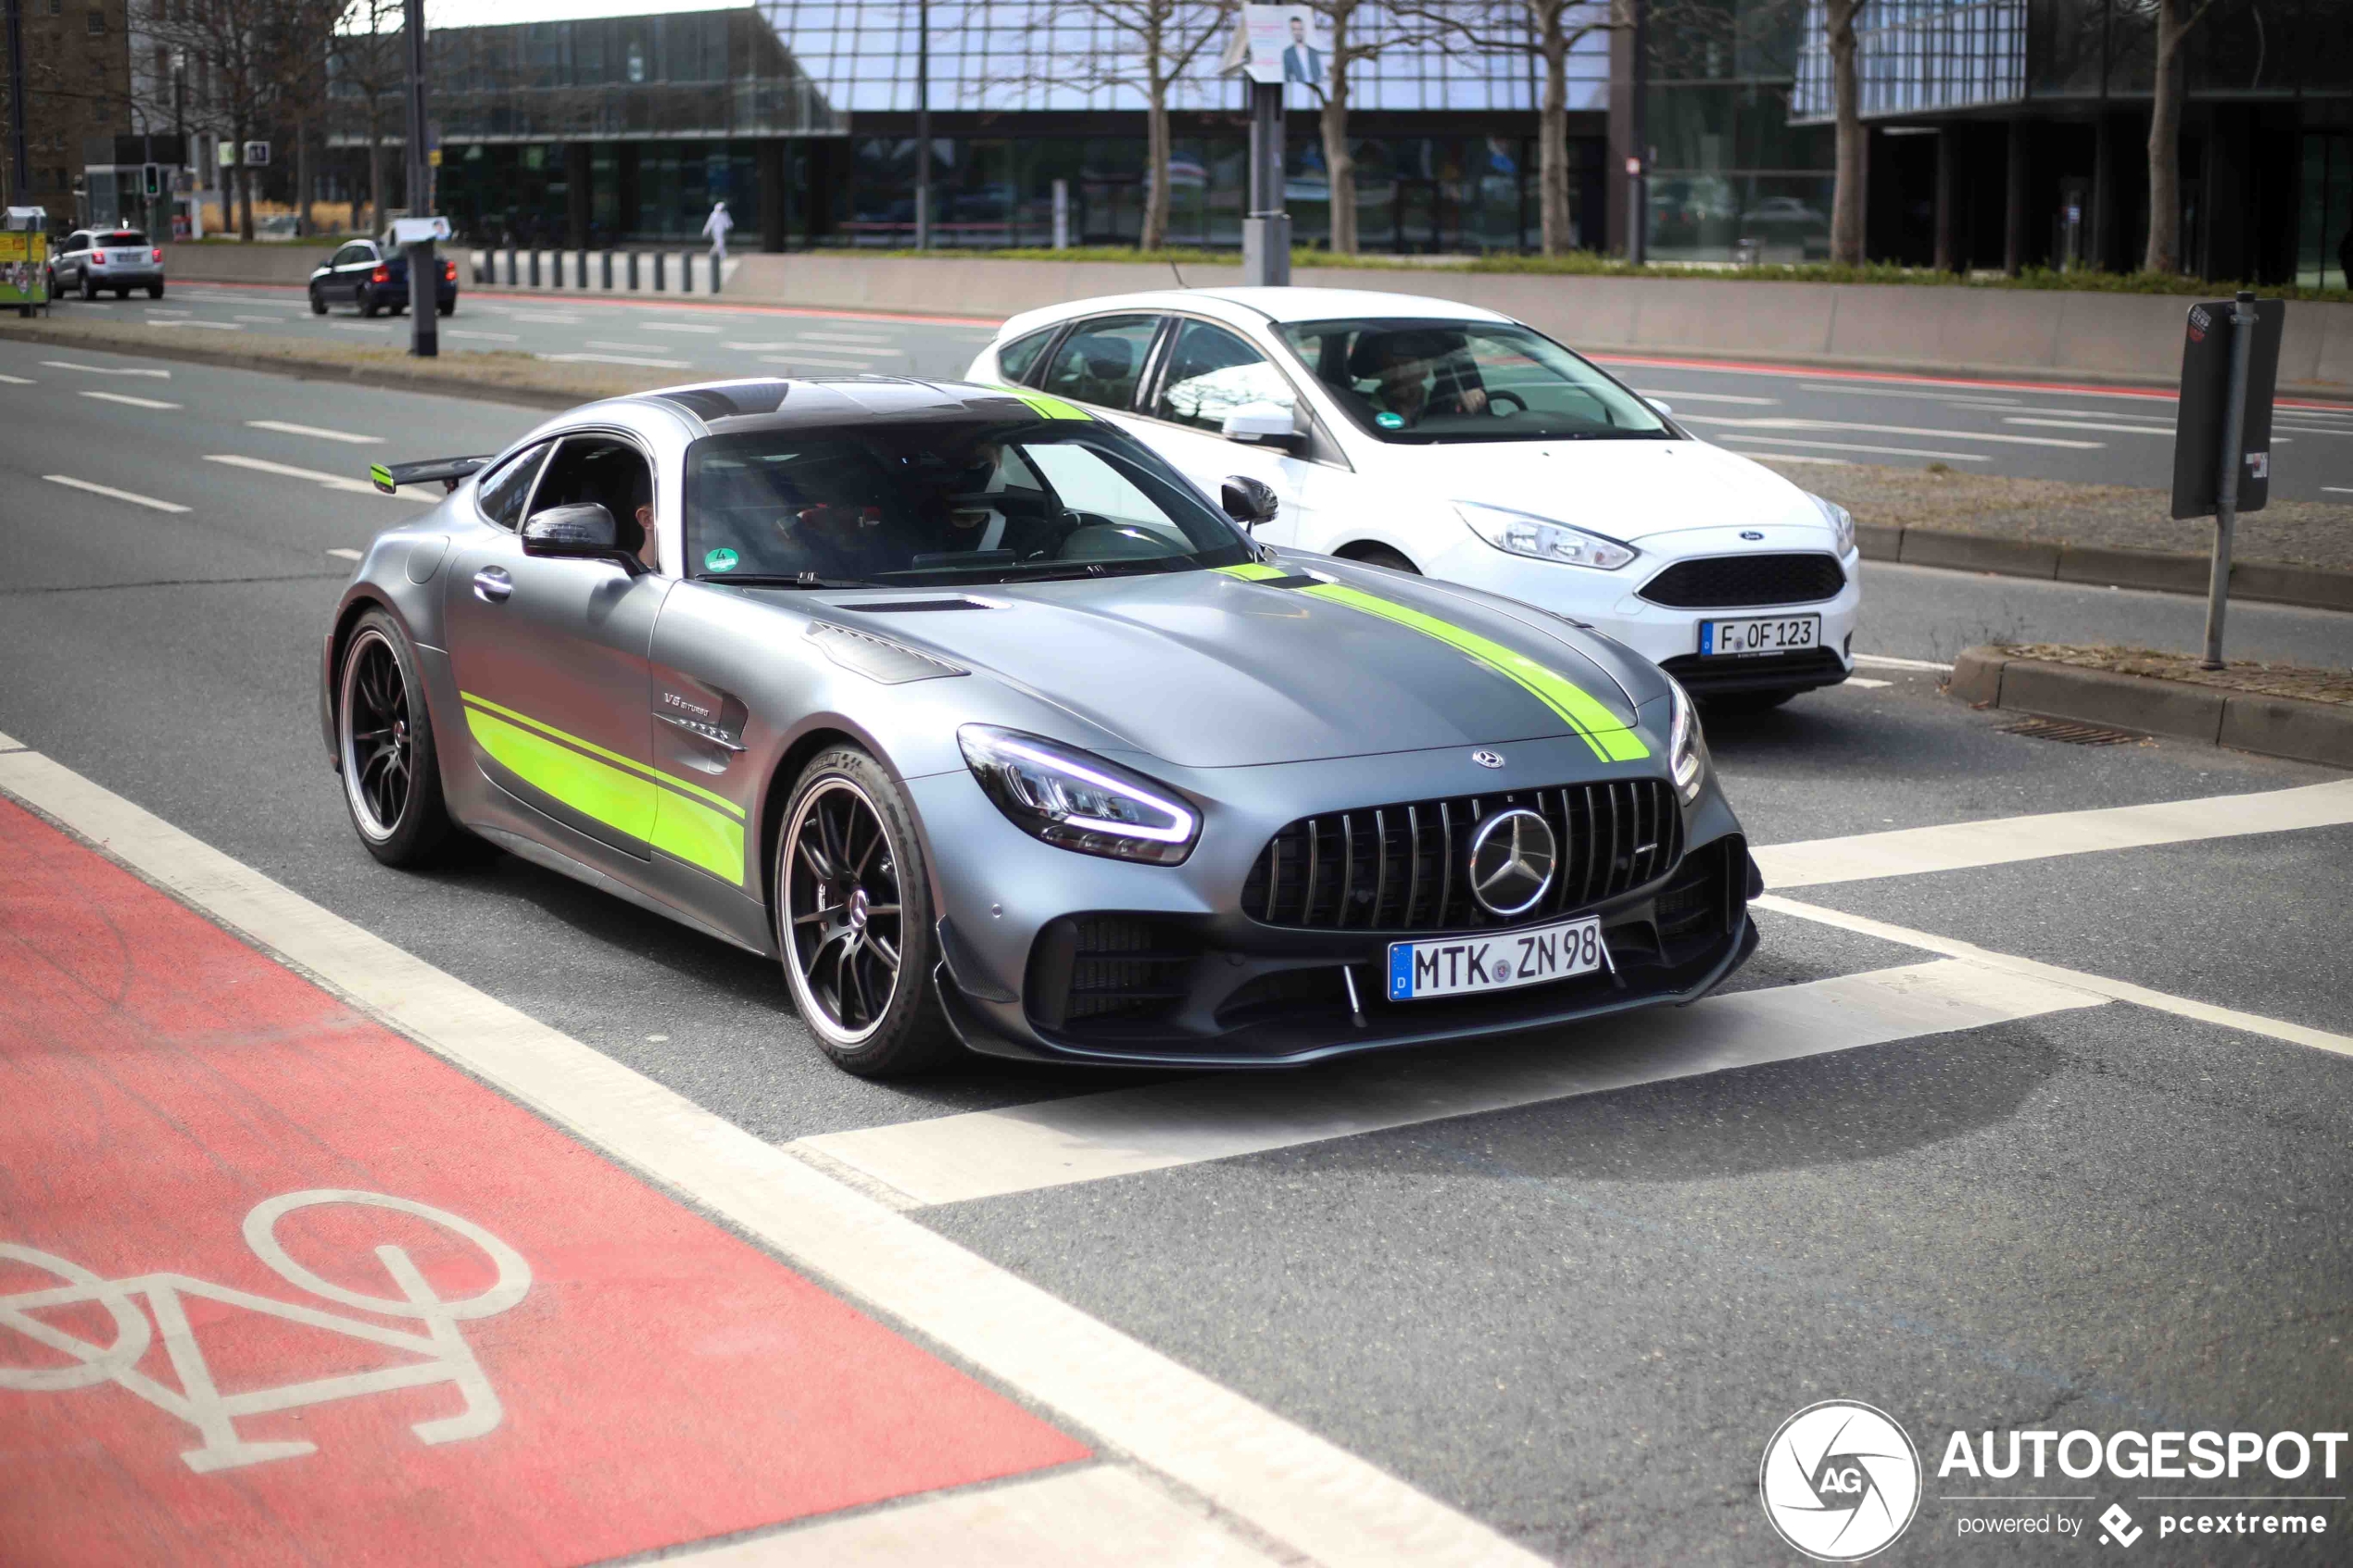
(1578,1319)
(2028,429)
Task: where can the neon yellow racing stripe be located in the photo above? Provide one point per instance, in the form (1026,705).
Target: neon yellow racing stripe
(594,749)
(1045,403)
(1611,739)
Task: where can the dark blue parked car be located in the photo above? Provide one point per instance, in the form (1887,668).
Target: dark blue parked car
(375,276)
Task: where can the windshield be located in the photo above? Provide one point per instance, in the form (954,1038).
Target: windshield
(949,501)
(1427,382)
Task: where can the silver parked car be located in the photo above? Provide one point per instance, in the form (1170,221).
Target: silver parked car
(92,260)
(977,715)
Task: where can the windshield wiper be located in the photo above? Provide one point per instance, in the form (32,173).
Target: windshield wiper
(782,580)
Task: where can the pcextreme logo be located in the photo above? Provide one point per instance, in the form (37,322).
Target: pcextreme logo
(1840,1481)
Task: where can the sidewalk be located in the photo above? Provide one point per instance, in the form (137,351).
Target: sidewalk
(278,1285)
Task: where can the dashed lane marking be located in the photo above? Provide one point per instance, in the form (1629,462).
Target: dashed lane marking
(1090,1138)
(2030,969)
(1889,661)
(18,381)
(2089,425)
(134,402)
(285,429)
(108,369)
(1865,682)
(109,491)
(341,554)
(675,327)
(615,360)
(207,326)
(1676,394)
(1306,1495)
(1856,427)
(1851,447)
(2001,840)
(486,337)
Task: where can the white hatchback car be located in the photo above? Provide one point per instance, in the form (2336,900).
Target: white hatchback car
(1438,438)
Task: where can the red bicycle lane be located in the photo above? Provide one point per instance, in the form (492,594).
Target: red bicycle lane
(278,1284)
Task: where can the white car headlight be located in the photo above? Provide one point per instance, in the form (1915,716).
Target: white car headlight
(1842,522)
(1076,800)
(1686,746)
(1539,538)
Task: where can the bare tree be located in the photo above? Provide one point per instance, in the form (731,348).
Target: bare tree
(1846,188)
(236,42)
(2174,19)
(1357,36)
(369,59)
(1155,43)
(1551,30)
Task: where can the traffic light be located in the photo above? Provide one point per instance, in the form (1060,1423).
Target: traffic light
(151,180)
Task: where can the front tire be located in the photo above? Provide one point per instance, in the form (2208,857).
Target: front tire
(385,743)
(854,921)
(317,301)
(89,289)
(1381,555)
(155,291)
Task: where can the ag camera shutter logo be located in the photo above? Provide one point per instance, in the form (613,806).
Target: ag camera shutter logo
(1840,1481)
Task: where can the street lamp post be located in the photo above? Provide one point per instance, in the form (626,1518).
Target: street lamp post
(923,124)
(424,334)
(21,173)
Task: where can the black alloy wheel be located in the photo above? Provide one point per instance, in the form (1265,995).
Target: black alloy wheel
(854,923)
(385,746)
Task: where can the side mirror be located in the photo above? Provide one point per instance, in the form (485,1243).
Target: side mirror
(1666,409)
(583,531)
(1263,424)
(1247,501)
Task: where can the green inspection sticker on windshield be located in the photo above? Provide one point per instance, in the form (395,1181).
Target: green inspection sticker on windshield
(722,561)
(1389,422)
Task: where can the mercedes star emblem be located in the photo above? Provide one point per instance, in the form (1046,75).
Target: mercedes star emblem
(1487,759)
(1512,856)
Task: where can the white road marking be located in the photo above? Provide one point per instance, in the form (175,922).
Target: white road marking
(2030,969)
(1844,388)
(2313,429)
(332,480)
(816,362)
(487,337)
(672,327)
(1672,395)
(107,369)
(207,326)
(133,402)
(284,427)
(1850,446)
(1090,1138)
(19,380)
(2001,840)
(1305,1493)
(1865,682)
(272,320)
(1801,458)
(1078,1518)
(551,316)
(362,326)
(1889,661)
(845,338)
(2087,424)
(118,495)
(2338,489)
(1780,423)
(160,310)
(612,359)
(345,554)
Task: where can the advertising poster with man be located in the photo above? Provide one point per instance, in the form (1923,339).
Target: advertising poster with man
(1289,45)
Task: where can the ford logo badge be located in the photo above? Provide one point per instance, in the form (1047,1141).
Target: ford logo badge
(1751,533)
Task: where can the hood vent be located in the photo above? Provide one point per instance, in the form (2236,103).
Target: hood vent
(910,606)
(879,659)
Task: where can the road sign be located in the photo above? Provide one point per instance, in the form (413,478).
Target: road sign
(257,155)
(2206,394)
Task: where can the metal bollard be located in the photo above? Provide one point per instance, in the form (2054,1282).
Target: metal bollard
(632,271)
(608,271)
(685,271)
(717,267)
(555,268)
(580,268)
(658,258)
(535,268)
(510,264)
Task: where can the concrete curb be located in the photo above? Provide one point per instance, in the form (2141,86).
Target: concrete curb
(2272,726)
(2313,587)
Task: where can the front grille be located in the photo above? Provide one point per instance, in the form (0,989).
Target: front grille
(1769,672)
(1406,867)
(1738,582)
(1121,968)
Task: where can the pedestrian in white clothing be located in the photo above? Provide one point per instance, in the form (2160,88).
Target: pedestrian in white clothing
(714,229)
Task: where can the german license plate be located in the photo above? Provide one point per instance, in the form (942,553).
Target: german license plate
(1454,965)
(1763,633)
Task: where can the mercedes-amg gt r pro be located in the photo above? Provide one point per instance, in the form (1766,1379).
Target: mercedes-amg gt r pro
(976,715)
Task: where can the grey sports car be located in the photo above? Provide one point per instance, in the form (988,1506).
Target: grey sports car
(981,718)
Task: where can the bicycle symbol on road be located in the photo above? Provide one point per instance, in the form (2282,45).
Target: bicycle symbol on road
(213,1413)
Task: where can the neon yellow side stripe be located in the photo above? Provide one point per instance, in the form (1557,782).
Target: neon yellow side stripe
(527,722)
(1046,403)
(626,801)
(1608,735)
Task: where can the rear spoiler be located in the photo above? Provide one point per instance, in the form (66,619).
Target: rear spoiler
(389,476)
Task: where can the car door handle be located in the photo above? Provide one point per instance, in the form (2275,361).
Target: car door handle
(701,731)
(492,585)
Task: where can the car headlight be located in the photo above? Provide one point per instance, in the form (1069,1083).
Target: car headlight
(1686,746)
(1842,522)
(1075,800)
(1540,539)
